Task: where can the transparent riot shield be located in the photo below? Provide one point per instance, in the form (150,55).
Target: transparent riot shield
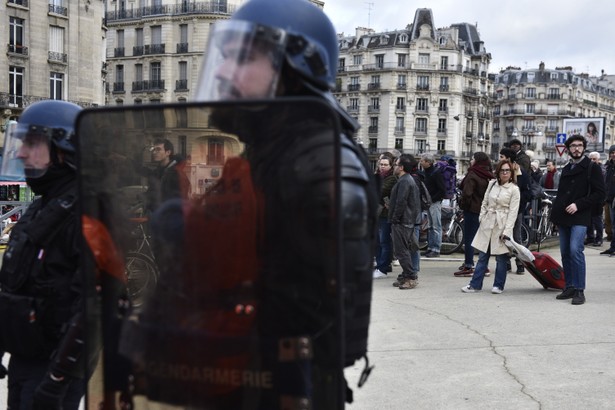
(215,234)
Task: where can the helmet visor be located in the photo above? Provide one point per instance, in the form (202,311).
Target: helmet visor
(26,152)
(243,61)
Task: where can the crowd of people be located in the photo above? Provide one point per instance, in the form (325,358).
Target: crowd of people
(495,199)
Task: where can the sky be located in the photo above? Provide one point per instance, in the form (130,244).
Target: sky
(519,33)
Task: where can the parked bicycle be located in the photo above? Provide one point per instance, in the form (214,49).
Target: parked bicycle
(452,229)
(539,226)
(141,270)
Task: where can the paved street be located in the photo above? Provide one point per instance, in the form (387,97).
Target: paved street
(435,347)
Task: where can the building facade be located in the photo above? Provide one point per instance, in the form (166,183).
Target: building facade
(418,89)
(55,49)
(531,105)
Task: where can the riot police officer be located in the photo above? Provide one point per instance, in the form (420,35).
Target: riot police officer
(40,281)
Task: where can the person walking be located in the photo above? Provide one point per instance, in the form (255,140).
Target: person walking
(473,187)
(404,208)
(581,186)
(497,219)
(434,181)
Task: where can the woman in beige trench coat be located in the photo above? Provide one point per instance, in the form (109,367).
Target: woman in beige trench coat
(497,219)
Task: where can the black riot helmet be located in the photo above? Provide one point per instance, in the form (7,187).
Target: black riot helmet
(44,128)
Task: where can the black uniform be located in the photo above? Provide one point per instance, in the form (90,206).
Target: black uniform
(40,298)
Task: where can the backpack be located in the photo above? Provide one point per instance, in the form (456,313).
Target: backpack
(448,167)
(423,193)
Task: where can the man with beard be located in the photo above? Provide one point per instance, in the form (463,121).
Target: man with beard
(581,186)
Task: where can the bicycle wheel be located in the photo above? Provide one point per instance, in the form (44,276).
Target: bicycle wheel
(141,275)
(525,235)
(452,243)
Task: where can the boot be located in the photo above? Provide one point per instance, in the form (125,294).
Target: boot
(568,293)
(578,298)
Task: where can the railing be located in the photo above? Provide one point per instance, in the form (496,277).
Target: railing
(182,48)
(373,86)
(181,85)
(118,87)
(372,129)
(373,108)
(354,87)
(58,10)
(118,52)
(151,85)
(402,86)
(137,50)
(422,87)
(23,3)
(18,49)
(23,101)
(154,49)
(57,57)
(210,7)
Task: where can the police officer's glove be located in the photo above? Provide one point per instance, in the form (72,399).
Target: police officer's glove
(50,392)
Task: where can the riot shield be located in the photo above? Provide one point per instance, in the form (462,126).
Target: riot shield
(218,266)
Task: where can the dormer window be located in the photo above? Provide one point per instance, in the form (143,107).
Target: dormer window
(403,38)
(442,41)
(384,39)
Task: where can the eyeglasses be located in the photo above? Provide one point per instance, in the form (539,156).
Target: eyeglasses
(575,146)
(505,171)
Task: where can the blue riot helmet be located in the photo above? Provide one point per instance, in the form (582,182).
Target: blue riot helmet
(43,130)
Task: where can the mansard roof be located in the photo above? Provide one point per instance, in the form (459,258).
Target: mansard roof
(421,17)
(470,37)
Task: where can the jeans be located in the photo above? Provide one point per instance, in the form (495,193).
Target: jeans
(612,215)
(404,244)
(470,227)
(384,251)
(517,236)
(481,268)
(596,229)
(434,232)
(571,247)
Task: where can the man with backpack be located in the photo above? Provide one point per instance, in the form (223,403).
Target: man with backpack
(434,181)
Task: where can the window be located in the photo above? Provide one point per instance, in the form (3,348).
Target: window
(138,72)
(442,125)
(443,63)
(401,79)
(441,145)
(16,76)
(341,64)
(422,82)
(401,60)
(380,60)
(423,59)
(375,79)
(443,105)
(155,76)
(401,103)
(399,123)
(156,32)
(215,151)
(119,73)
(16,38)
(55,85)
(421,125)
(354,103)
(56,44)
(182,83)
(120,38)
(399,144)
(444,84)
(553,93)
(357,59)
(530,108)
(354,80)
(530,92)
(375,103)
(139,37)
(421,104)
(183,33)
(420,145)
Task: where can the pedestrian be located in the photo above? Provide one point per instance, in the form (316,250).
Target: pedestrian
(550,179)
(521,157)
(581,186)
(536,171)
(41,301)
(498,213)
(609,178)
(595,231)
(168,180)
(434,181)
(384,250)
(404,208)
(473,188)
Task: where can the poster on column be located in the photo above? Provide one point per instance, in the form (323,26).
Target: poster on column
(591,128)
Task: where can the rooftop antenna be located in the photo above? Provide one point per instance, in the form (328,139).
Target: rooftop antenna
(370,7)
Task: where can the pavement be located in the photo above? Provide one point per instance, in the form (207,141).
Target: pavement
(434,347)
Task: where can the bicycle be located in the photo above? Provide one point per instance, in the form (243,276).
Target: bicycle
(141,270)
(541,220)
(452,230)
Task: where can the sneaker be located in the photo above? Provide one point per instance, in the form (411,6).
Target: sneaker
(567,293)
(398,281)
(497,290)
(578,298)
(609,251)
(431,254)
(520,270)
(488,273)
(598,244)
(379,275)
(408,283)
(464,272)
(395,262)
(469,289)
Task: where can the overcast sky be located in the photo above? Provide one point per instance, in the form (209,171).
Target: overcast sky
(519,33)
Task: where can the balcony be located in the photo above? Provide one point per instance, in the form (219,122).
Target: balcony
(402,86)
(444,87)
(154,49)
(399,131)
(137,51)
(118,87)
(181,85)
(553,97)
(422,87)
(353,109)
(54,56)
(151,85)
(373,86)
(400,108)
(182,48)
(118,52)
(63,11)
(17,49)
(420,131)
(373,109)
(354,87)
(209,7)
(442,132)
(421,110)
(372,129)
(470,91)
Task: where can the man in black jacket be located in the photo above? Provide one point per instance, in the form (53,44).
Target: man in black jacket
(41,284)
(609,180)
(434,181)
(581,186)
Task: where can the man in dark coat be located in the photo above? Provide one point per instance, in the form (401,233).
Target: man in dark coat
(581,186)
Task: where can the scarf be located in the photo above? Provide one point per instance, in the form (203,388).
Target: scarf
(483,170)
